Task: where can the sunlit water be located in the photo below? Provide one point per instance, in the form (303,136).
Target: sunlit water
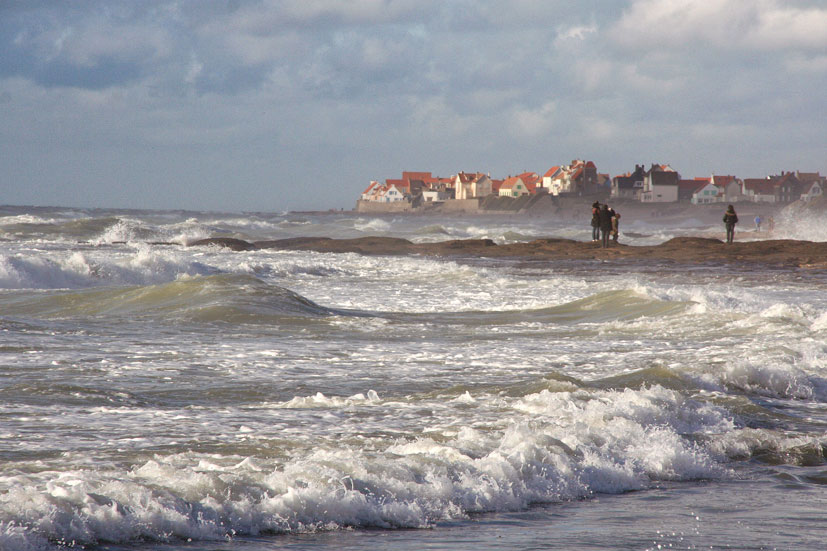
(159,396)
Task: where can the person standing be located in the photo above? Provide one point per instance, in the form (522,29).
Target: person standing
(757,223)
(605,224)
(595,222)
(615,223)
(730,219)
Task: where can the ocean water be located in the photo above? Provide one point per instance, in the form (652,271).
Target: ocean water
(155,395)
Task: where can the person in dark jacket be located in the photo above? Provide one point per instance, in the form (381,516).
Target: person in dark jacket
(730,219)
(605,224)
(595,221)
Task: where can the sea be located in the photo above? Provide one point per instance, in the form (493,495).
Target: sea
(156,395)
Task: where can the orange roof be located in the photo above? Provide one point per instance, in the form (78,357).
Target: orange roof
(529,177)
(371,186)
(550,172)
(407,175)
(510,182)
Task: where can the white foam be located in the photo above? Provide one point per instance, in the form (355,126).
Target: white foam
(142,265)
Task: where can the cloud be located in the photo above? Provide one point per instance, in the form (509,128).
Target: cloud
(266,88)
(576,32)
(62,48)
(532,123)
(763,25)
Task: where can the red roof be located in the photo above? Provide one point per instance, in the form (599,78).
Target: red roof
(760,186)
(406,175)
(692,186)
(510,182)
(370,187)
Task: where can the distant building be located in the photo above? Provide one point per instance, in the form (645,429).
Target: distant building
(707,193)
(384,193)
(469,186)
(545,181)
(698,191)
(759,190)
(812,191)
(629,185)
(729,188)
(812,185)
(513,187)
(660,185)
(531,180)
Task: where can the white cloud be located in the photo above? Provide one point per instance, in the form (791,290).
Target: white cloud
(576,32)
(721,24)
(532,123)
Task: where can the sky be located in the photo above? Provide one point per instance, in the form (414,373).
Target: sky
(274,105)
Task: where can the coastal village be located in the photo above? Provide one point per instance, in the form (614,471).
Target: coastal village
(660,183)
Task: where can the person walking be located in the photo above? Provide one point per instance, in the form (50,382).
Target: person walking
(595,222)
(605,224)
(730,219)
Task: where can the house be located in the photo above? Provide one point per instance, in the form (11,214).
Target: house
(629,185)
(706,192)
(545,181)
(783,188)
(578,178)
(469,186)
(531,181)
(369,191)
(759,190)
(384,193)
(813,185)
(698,191)
(513,187)
(660,185)
(812,191)
(788,187)
(435,195)
(729,188)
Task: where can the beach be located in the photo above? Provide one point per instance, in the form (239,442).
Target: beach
(189,380)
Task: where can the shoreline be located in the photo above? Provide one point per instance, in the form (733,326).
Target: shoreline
(778,253)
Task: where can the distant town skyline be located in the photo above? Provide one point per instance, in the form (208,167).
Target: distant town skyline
(298,104)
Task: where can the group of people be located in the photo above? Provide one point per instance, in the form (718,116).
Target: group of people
(605,222)
(730,219)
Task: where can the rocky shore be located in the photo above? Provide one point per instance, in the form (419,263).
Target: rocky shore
(680,250)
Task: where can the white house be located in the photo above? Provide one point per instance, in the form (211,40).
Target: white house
(813,191)
(729,188)
(387,193)
(660,185)
(513,187)
(469,186)
(435,195)
(549,176)
(705,194)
